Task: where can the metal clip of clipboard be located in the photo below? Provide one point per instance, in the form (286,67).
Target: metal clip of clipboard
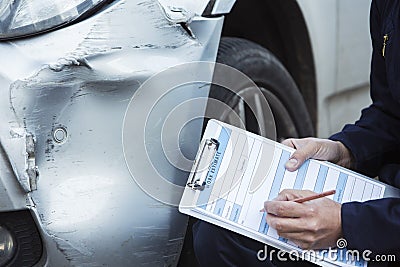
(208,148)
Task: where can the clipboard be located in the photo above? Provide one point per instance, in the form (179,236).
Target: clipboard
(235,171)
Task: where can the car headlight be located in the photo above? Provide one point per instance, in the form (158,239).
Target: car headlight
(19,18)
(7,246)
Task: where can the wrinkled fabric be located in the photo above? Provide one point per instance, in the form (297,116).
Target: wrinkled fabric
(374,140)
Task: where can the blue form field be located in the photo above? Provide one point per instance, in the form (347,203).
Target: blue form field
(319,184)
(340,187)
(235,213)
(219,207)
(301,175)
(223,140)
(263,225)
(276,186)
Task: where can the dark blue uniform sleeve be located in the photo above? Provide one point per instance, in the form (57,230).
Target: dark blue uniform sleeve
(373,225)
(374,139)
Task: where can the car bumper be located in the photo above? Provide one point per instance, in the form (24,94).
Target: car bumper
(70,89)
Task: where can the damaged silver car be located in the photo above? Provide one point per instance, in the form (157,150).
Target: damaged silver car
(69,72)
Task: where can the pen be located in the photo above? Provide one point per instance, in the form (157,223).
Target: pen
(304,199)
(321,195)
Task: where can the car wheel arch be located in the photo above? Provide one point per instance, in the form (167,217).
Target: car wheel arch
(282,29)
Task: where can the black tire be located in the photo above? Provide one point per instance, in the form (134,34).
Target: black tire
(278,87)
(287,104)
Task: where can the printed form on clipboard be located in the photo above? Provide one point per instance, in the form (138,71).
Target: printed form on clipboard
(235,171)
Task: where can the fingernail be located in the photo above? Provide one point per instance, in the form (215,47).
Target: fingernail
(292,163)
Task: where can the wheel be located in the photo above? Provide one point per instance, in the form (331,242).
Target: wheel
(275,83)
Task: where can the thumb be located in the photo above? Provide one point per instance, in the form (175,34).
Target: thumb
(289,142)
(302,154)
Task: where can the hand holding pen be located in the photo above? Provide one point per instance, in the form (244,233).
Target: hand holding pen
(309,198)
(310,220)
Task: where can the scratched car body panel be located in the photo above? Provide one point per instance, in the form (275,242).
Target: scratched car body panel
(65,94)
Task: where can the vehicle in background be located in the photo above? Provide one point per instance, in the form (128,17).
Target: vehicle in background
(322,47)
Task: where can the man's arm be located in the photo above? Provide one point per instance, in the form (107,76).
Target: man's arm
(373,225)
(374,139)
(318,224)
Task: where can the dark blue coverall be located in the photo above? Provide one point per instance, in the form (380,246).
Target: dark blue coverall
(374,141)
